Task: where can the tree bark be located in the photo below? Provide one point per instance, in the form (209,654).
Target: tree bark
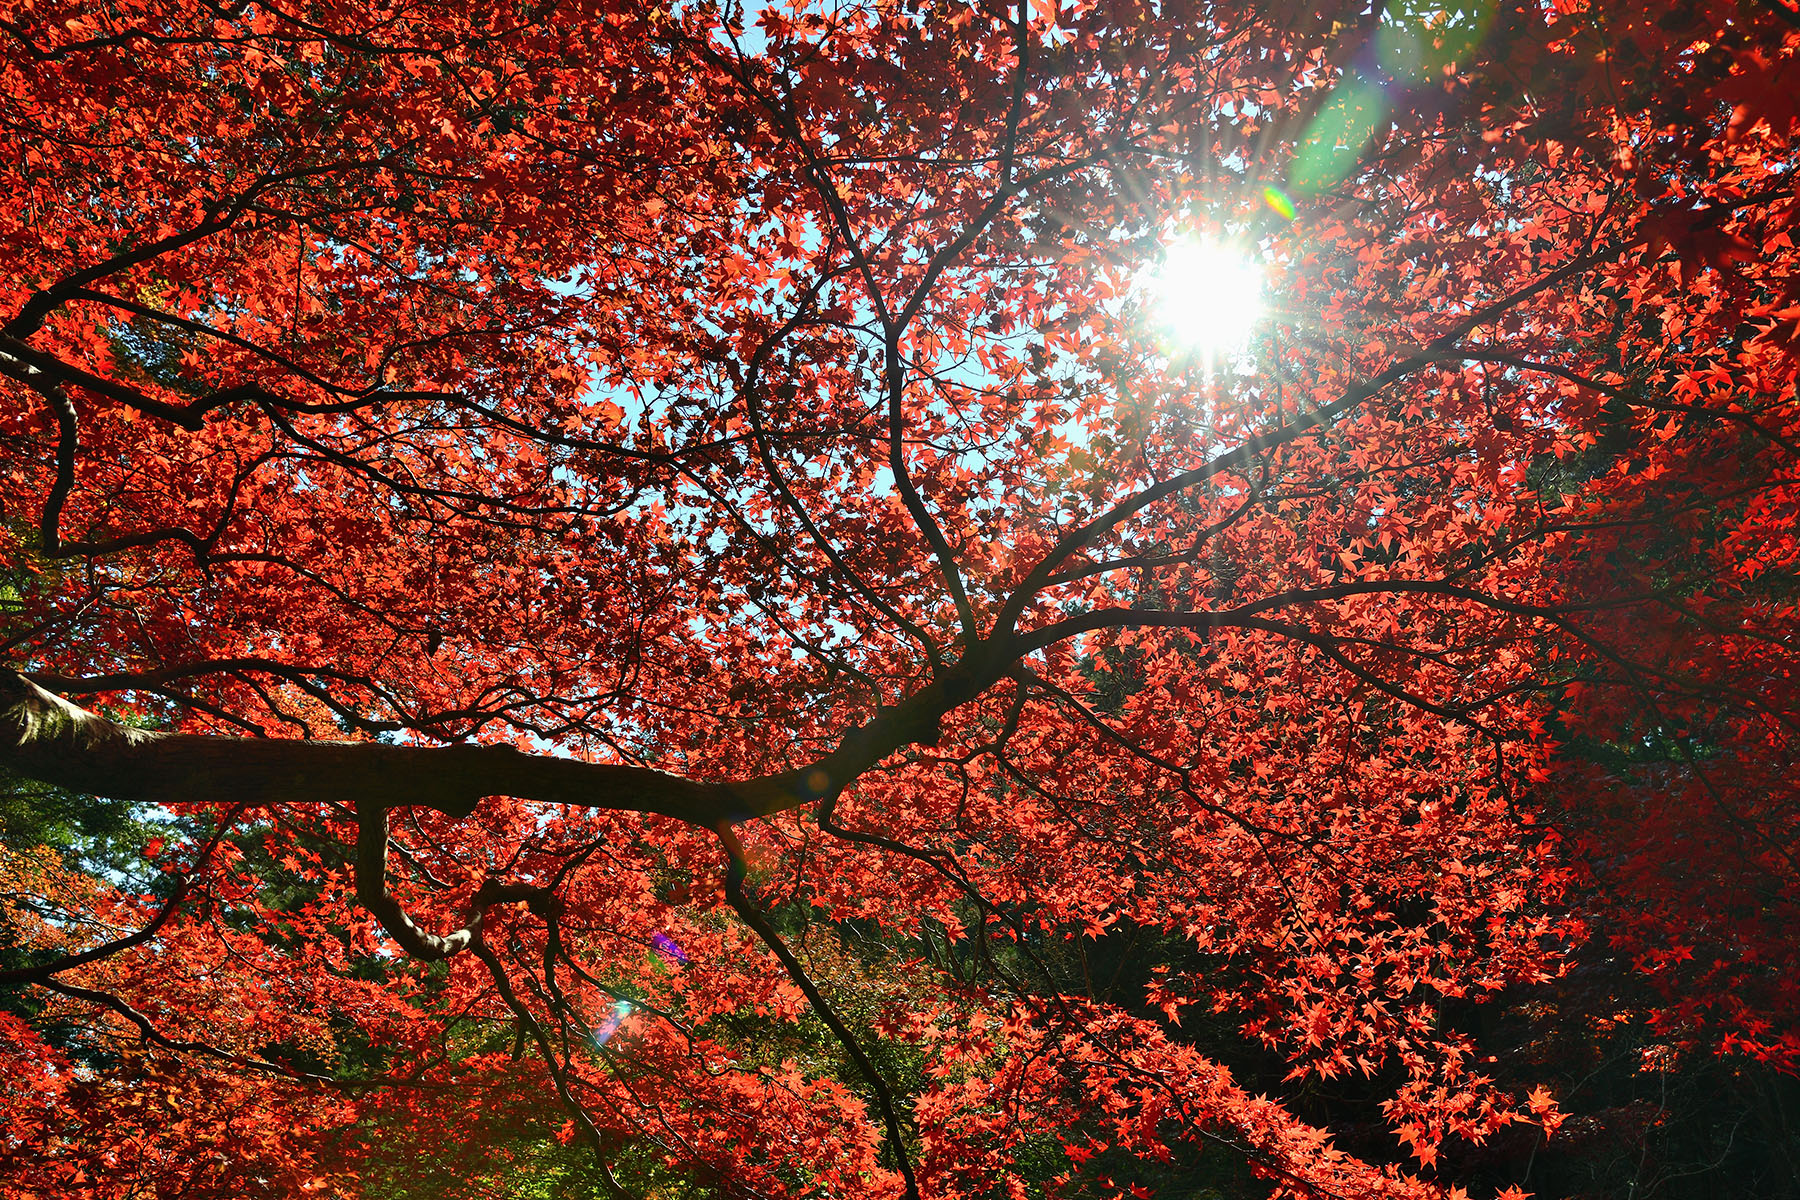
(44,737)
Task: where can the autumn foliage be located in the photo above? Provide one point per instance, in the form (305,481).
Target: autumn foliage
(681,617)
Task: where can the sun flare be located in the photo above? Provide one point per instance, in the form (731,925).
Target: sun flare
(1209,297)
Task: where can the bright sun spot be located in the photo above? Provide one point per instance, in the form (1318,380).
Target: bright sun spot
(1208,296)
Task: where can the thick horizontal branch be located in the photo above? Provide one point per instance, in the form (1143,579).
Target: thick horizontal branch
(45,737)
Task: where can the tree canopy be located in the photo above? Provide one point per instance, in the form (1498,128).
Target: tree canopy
(892,598)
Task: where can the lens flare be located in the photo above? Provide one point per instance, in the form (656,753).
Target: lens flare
(603,1033)
(669,949)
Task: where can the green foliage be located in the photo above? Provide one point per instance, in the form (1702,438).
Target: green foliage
(100,837)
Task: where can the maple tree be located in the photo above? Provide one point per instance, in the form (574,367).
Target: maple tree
(658,571)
